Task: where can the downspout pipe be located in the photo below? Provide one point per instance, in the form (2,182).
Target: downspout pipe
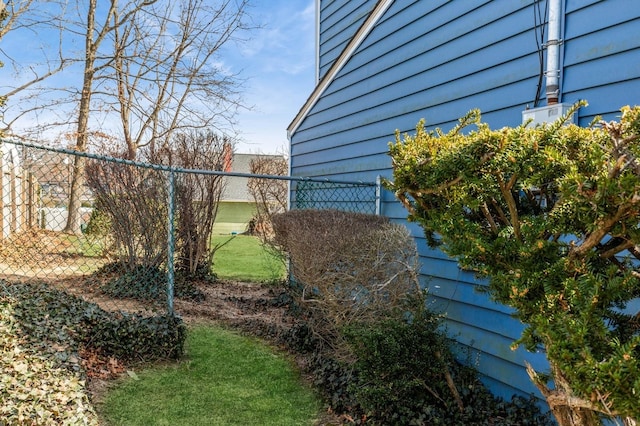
(554,41)
(317,41)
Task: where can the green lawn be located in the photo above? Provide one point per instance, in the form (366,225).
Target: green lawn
(244,258)
(225,379)
(233,217)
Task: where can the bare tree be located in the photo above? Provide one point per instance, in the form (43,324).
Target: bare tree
(269,195)
(3,16)
(93,29)
(96,32)
(165,73)
(12,14)
(146,69)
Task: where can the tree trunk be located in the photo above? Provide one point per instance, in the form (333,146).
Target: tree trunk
(74,219)
(568,409)
(571,416)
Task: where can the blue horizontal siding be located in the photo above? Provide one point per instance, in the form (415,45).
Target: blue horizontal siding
(393,99)
(496,324)
(405,42)
(487,351)
(446,280)
(507,390)
(596,73)
(575,5)
(345,126)
(511,383)
(420,74)
(437,60)
(339,21)
(485,332)
(602,59)
(351,150)
(605,101)
(601,44)
(396,211)
(485,342)
(584,17)
(443,44)
(424,90)
(339,167)
(351,175)
(440,271)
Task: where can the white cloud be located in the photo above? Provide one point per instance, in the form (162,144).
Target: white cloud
(278,63)
(285,43)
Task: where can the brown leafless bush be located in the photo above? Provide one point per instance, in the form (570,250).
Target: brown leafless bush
(197,196)
(269,195)
(135,201)
(348,267)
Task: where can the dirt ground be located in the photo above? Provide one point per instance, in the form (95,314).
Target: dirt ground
(235,303)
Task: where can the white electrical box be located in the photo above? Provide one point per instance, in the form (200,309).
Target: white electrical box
(547,114)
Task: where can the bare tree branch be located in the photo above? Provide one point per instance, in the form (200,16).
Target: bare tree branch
(14,12)
(164,71)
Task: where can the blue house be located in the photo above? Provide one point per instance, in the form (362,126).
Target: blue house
(383,65)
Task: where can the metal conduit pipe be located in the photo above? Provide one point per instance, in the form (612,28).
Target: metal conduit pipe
(554,41)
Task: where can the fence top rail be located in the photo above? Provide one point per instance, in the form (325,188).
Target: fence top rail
(172,169)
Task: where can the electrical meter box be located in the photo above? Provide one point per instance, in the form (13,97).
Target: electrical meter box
(547,114)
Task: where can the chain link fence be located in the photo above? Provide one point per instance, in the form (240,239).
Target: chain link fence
(336,195)
(129,235)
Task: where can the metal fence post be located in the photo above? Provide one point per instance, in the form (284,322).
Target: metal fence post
(378,195)
(170,241)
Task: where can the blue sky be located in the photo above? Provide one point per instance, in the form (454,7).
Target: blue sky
(278,63)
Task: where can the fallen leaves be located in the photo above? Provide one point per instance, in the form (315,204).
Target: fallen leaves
(33,389)
(99,366)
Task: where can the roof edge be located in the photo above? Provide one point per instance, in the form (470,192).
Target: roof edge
(339,63)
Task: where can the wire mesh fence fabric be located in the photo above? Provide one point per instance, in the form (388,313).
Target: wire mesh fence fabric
(353,197)
(90,227)
(128,235)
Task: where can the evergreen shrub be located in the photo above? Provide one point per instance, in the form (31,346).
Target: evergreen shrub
(551,216)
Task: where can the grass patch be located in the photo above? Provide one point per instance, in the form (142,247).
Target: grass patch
(233,217)
(226,379)
(238,212)
(245,259)
(83,246)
